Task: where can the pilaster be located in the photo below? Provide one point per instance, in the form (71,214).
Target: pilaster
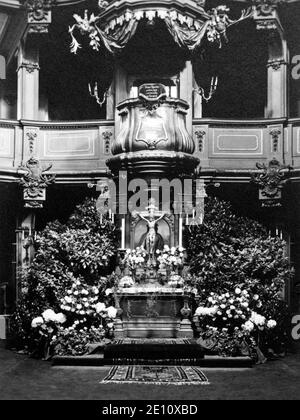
(267,21)
(28,82)
(186,92)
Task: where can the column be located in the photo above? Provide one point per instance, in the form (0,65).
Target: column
(267,21)
(28,82)
(25,234)
(277,81)
(121,94)
(186,92)
(197,102)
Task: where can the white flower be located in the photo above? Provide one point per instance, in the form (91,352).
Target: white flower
(271,324)
(202,311)
(112,312)
(95,290)
(258,320)
(49,315)
(79,306)
(36,322)
(68,299)
(238,291)
(248,326)
(100,307)
(110,325)
(60,318)
(255,297)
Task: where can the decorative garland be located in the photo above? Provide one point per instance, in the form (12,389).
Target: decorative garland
(186,31)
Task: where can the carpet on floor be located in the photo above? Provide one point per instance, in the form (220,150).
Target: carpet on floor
(156,375)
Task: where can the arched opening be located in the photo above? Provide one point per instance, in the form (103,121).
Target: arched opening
(241,65)
(65,78)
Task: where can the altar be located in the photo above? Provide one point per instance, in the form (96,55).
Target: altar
(153,312)
(151,295)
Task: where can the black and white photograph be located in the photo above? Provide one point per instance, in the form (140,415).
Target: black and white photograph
(149,203)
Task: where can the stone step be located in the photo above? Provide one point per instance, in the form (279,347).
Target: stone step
(209,362)
(139,351)
(153,352)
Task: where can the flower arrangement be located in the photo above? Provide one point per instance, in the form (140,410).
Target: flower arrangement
(71,274)
(176,281)
(126,282)
(135,258)
(237,267)
(76,339)
(170,258)
(47,321)
(229,316)
(80,299)
(84,323)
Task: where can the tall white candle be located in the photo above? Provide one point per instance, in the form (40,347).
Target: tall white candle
(123,227)
(180,231)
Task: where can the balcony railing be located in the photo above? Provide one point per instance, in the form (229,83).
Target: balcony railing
(82,148)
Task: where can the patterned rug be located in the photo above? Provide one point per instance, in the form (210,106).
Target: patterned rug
(156,375)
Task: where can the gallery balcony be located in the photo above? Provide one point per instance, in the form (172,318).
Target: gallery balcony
(78,151)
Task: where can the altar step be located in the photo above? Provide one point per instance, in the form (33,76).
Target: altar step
(154,352)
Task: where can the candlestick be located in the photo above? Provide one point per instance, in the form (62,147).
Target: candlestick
(180,231)
(123,227)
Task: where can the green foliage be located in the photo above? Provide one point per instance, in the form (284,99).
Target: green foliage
(229,252)
(82,250)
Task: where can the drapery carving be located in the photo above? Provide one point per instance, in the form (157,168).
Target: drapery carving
(186,31)
(113,41)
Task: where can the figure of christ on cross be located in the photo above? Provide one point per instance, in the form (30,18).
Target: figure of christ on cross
(152,241)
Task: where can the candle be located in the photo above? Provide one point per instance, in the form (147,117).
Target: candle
(123,233)
(180,231)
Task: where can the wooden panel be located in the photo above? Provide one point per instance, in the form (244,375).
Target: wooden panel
(69,145)
(296,147)
(6,142)
(7,146)
(297,141)
(237,143)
